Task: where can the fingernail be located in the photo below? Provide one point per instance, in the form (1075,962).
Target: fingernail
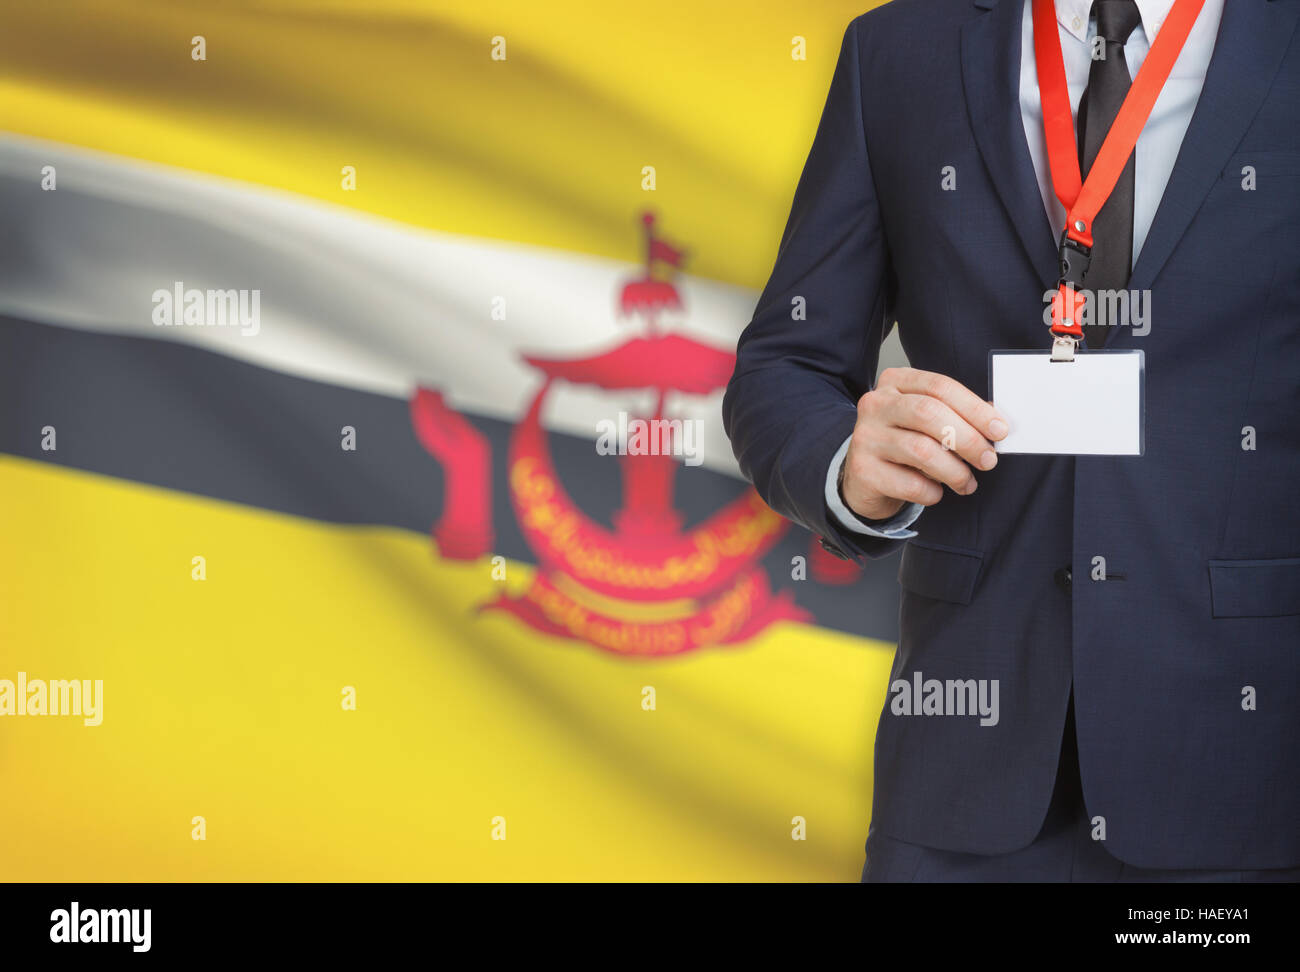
(971,488)
(998,428)
(989,459)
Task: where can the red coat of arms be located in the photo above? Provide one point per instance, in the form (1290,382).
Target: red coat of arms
(645,587)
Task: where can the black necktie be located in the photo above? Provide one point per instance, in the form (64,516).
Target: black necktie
(1108,84)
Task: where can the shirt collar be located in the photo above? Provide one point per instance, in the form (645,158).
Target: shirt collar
(1073,16)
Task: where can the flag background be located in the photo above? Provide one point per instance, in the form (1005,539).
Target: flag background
(474,178)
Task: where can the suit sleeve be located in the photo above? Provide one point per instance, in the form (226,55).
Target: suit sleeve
(792,400)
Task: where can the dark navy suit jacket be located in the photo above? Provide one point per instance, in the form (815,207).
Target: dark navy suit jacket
(1201,537)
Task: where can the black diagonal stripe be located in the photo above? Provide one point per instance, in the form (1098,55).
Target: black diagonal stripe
(179,417)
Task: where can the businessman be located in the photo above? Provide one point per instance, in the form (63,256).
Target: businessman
(1137,616)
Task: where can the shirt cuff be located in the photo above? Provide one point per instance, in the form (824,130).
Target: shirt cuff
(893,528)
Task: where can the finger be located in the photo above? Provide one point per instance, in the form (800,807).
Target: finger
(921,413)
(904,483)
(919,451)
(977,413)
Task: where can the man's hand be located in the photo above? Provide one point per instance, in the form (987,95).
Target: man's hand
(917,432)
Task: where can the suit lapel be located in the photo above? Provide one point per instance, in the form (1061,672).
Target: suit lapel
(1253,37)
(990,65)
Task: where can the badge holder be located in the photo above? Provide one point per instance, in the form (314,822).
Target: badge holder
(1094,405)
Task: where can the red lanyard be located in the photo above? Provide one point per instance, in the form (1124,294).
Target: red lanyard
(1083,199)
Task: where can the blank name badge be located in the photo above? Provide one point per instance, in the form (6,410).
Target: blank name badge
(1091,406)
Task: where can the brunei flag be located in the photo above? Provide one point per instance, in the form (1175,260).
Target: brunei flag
(367,513)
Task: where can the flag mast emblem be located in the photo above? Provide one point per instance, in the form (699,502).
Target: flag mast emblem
(646,587)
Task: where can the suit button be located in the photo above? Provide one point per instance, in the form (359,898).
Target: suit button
(1063,579)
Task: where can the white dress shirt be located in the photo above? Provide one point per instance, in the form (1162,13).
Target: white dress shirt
(1156,152)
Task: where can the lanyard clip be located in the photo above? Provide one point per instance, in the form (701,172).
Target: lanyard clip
(1068,303)
(1063,348)
(1073,258)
